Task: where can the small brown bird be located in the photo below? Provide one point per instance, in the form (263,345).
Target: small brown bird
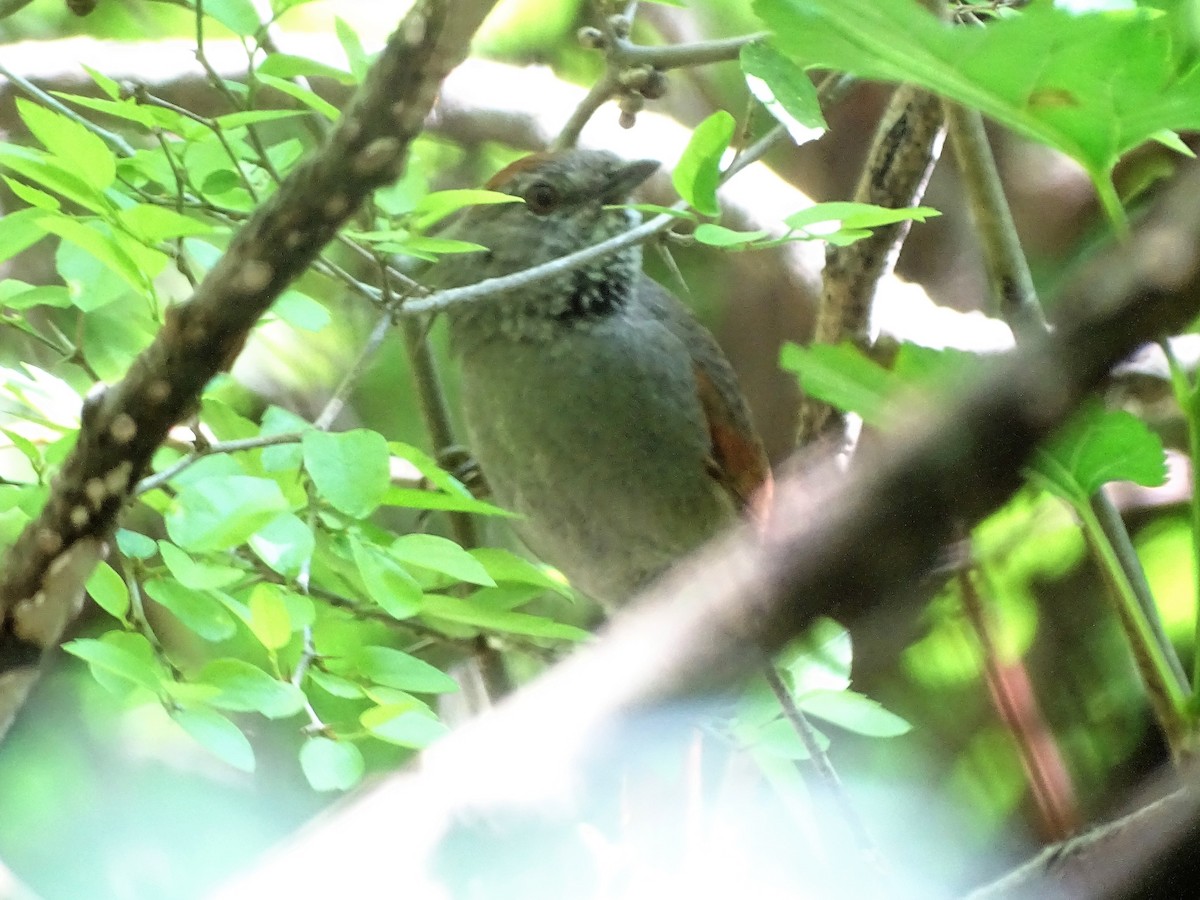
(597,406)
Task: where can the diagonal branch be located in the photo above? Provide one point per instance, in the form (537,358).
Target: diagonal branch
(124,424)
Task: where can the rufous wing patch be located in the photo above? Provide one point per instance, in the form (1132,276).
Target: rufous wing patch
(738,462)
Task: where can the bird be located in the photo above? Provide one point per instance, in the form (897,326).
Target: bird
(596,405)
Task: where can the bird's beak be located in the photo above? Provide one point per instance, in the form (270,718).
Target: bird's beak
(628,177)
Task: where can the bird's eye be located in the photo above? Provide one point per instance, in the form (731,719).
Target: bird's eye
(542,198)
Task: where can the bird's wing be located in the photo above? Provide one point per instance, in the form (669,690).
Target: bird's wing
(739,462)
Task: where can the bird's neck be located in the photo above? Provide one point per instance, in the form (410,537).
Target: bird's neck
(581,298)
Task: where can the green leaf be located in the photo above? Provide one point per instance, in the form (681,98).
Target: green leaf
(222,512)
(243,687)
(350,469)
(313,101)
(505,566)
(218,735)
(434,207)
(356,56)
(108,250)
(135,544)
(331,765)
(400,724)
(81,150)
(850,216)
(699,169)
(127,109)
(285,65)
(820,659)
(479,615)
(230,121)
(334,684)
(784,90)
(285,544)
(440,555)
(301,311)
(1098,446)
(394,668)
(19,230)
(106,84)
(1092,86)
(239,16)
(197,610)
(416,498)
(720,236)
(33,196)
(854,712)
(386,581)
(54,175)
(841,376)
(128,656)
(197,575)
(109,590)
(269,617)
(151,224)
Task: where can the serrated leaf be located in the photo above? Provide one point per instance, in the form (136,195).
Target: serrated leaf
(439,554)
(54,175)
(402,725)
(109,590)
(350,468)
(784,90)
(242,687)
(699,168)
(84,152)
(397,669)
(198,610)
(854,712)
(841,376)
(331,765)
(222,512)
(218,735)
